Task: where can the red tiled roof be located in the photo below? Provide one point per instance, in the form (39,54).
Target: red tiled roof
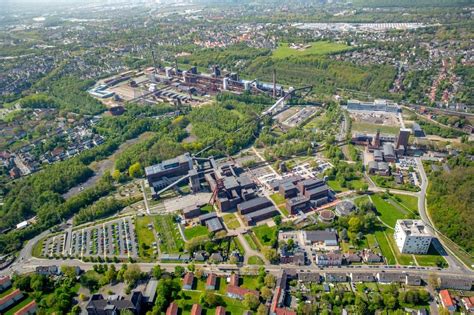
(446,298)
(234,280)
(240,291)
(196,310)
(188,278)
(284,311)
(468,302)
(9,296)
(4,280)
(211,280)
(220,310)
(172,309)
(25,309)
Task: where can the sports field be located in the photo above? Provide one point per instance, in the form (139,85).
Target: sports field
(315,48)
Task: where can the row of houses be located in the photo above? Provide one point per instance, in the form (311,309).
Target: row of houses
(12,297)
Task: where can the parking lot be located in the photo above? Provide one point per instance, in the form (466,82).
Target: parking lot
(116,238)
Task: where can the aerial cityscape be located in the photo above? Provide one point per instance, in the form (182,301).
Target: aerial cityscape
(236,157)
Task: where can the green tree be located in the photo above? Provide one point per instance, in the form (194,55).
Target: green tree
(157,272)
(251,301)
(135,170)
(266,293)
(262,310)
(270,280)
(132,274)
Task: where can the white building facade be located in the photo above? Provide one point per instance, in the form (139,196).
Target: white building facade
(412,237)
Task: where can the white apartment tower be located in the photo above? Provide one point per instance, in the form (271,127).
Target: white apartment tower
(412,237)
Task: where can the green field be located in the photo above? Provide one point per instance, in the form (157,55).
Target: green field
(231,221)
(372,128)
(255,260)
(145,236)
(188,298)
(385,247)
(317,48)
(170,238)
(207,208)
(408,202)
(354,184)
(195,231)
(250,282)
(277,198)
(387,212)
(250,241)
(264,234)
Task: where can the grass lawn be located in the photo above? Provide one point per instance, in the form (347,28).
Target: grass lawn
(277,198)
(237,245)
(38,248)
(336,186)
(189,298)
(387,212)
(195,231)
(264,234)
(255,260)
(231,221)
(207,208)
(250,241)
(372,128)
(372,243)
(385,247)
(317,48)
(361,200)
(170,238)
(403,259)
(250,282)
(284,211)
(145,236)
(408,202)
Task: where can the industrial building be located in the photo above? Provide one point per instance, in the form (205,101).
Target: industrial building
(412,237)
(375,106)
(298,204)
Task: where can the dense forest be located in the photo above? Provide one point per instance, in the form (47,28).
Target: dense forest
(450,200)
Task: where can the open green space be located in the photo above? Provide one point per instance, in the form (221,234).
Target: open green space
(195,231)
(38,248)
(352,184)
(188,298)
(207,208)
(169,236)
(265,234)
(384,246)
(389,182)
(277,198)
(250,282)
(255,260)
(250,241)
(235,244)
(316,48)
(408,202)
(231,221)
(388,213)
(145,236)
(372,128)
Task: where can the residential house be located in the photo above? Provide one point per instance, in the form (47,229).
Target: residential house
(211,282)
(220,310)
(361,277)
(28,309)
(335,277)
(455,283)
(172,309)
(352,259)
(468,303)
(48,270)
(216,257)
(5,283)
(329,259)
(10,299)
(196,309)
(239,293)
(447,301)
(310,277)
(371,258)
(98,305)
(413,280)
(385,277)
(321,238)
(188,281)
(234,280)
